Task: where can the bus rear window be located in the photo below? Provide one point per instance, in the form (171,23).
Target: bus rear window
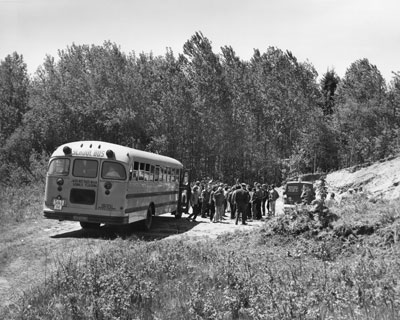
(85,168)
(113,170)
(59,166)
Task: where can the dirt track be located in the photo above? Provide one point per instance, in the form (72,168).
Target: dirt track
(30,250)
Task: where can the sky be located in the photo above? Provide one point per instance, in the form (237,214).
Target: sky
(329,34)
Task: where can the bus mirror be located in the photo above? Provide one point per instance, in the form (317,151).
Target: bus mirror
(67,150)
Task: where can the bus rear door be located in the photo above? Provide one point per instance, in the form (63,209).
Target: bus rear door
(112,189)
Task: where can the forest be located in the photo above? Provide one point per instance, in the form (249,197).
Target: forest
(222,117)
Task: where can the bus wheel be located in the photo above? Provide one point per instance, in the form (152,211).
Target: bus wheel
(89,225)
(149,219)
(178,214)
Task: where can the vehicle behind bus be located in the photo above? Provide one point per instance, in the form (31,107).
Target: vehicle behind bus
(292,193)
(95,183)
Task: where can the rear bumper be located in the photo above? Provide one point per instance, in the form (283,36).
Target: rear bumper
(85,217)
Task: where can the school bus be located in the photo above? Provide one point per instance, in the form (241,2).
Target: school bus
(95,182)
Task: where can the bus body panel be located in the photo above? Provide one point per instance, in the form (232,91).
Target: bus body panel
(141,195)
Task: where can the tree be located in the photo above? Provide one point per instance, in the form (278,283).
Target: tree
(206,114)
(14,94)
(362,113)
(284,100)
(329,83)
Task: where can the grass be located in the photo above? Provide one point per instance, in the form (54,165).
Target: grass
(18,204)
(295,267)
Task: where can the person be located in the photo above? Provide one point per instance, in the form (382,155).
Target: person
(199,190)
(205,203)
(231,202)
(250,204)
(268,206)
(225,190)
(264,189)
(219,204)
(273,196)
(331,201)
(212,203)
(307,195)
(195,203)
(257,199)
(241,198)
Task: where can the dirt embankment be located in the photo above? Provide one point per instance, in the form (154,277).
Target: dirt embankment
(380,180)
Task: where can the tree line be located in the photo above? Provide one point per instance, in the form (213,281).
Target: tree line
(223,117)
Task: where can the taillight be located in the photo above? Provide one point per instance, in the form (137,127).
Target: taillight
(60,182)
(108,186)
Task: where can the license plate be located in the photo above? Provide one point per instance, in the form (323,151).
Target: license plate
(58,204)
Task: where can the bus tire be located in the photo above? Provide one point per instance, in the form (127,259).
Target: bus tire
(178,214)
(89,225)
(149,219)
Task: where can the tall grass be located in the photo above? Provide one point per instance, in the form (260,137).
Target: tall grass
(287,273)
(21,203)
(245,276)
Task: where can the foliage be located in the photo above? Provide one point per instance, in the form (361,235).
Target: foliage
(221,116)
(14,85)
(362,116)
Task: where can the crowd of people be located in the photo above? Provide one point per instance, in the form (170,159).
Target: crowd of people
(242,202)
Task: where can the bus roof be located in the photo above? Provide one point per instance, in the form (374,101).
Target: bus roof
(300,182)
(100,149)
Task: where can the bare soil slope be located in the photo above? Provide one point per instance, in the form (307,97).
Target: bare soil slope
(380,180)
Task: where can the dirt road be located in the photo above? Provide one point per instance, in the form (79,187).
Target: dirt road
(29,251)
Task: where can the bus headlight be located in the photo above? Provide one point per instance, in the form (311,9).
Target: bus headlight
(108,185)
(60,181)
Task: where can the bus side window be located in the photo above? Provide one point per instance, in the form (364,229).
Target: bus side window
(134,169)
(141,171)
(168,174)
(176,175)
(151,178)
(161,177)
(147,172)
(157,173)
(173,175)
